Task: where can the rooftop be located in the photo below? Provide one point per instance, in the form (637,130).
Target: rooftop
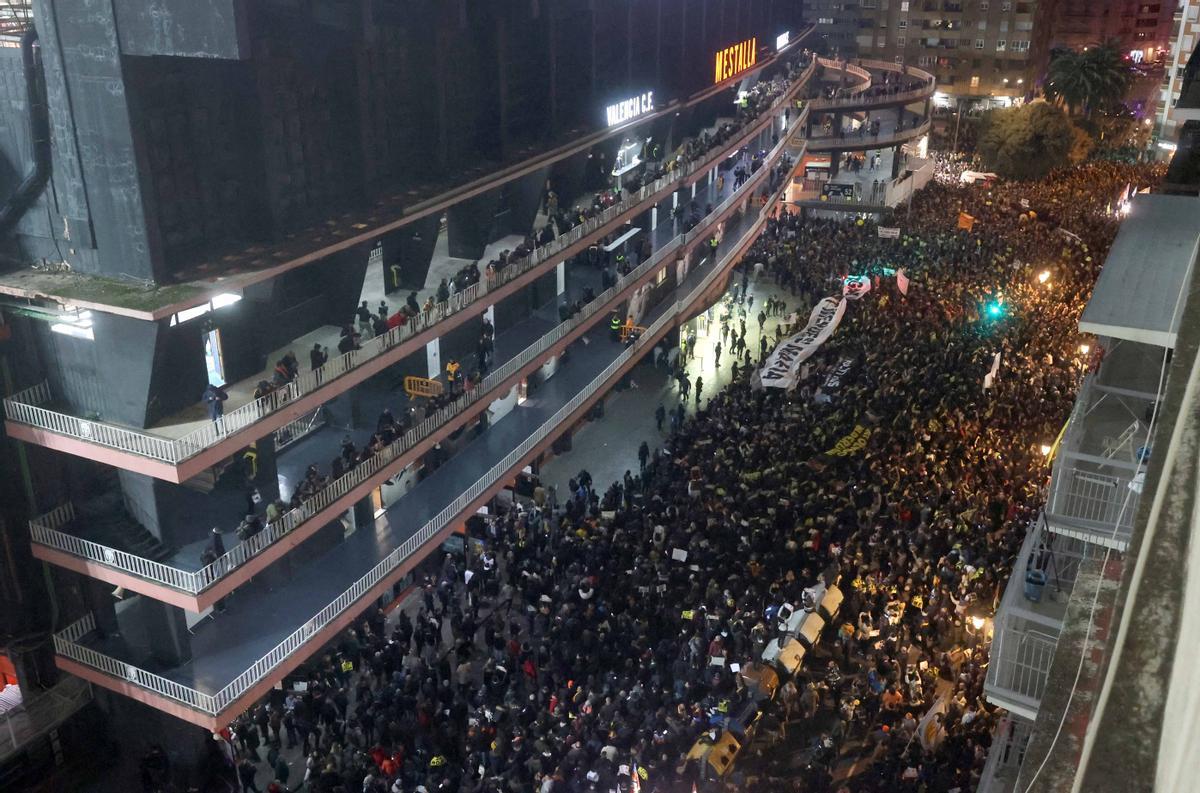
(1139,295)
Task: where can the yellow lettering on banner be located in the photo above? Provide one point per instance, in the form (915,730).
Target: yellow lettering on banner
(851,443)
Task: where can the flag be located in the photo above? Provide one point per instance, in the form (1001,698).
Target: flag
(990,377)
(928,729)
(902,282)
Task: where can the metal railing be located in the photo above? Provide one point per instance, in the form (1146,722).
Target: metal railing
(45,530)
(1100,503)
(299,429)
(41,712)
(67,642)
(1006,755)
(912,95)
(1020,662)
(24,406)
(849,68)
(852,141)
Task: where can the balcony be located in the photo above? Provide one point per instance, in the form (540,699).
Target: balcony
(187,444)
(869,94)
(240,655)
(915,126)
(1027,631)
(179,577)
(1006,755)
(1096,487)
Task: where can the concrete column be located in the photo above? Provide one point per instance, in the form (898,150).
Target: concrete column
(895,161)
(560,273)
(693,191)
(654,217)
(155,630)
(835,161)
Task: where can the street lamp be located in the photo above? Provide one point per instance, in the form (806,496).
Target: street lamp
(1043,276)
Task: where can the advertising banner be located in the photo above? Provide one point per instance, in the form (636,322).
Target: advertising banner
(902,281)
(889,233)
(783,365)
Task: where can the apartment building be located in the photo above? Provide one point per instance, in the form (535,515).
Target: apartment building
(982,49)
(1139,28)
(1178,82)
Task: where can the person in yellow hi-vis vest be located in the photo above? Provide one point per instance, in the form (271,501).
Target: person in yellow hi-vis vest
(452,367)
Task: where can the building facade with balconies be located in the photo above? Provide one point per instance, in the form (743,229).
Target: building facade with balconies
(1061,615)
(250,175)
(974,48)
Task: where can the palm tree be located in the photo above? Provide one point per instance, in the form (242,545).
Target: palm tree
(1095,78)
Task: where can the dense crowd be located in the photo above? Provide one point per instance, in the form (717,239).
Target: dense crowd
(574,652)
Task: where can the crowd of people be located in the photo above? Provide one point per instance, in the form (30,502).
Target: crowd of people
(575,651)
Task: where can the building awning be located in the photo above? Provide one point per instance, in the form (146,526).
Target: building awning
(1142,287)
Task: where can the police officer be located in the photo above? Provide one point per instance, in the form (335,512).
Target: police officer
(614,326)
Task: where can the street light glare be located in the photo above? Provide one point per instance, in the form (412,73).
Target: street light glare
(1085,348)
(1046,450)
(1043,276)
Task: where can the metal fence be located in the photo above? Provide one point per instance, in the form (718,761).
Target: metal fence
(45,530)
(1020,660)
(24,407)
(1102,504)
(41,712)
(67,642)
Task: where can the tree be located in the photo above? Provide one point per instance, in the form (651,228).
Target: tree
(1027,142)
(1093,79)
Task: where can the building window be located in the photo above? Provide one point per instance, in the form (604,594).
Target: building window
(1024,8)
(978,44)
(904,6)
(982,24)
(983,6)
(902,24)
(1005,7)
(1024,24)
(1020,46)
(1001,45)
(901,41)
(881,41)
(1003,25)
(975,81)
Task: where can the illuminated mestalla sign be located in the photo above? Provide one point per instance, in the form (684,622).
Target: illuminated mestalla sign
(736,59)
(783,39)
(630,108)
